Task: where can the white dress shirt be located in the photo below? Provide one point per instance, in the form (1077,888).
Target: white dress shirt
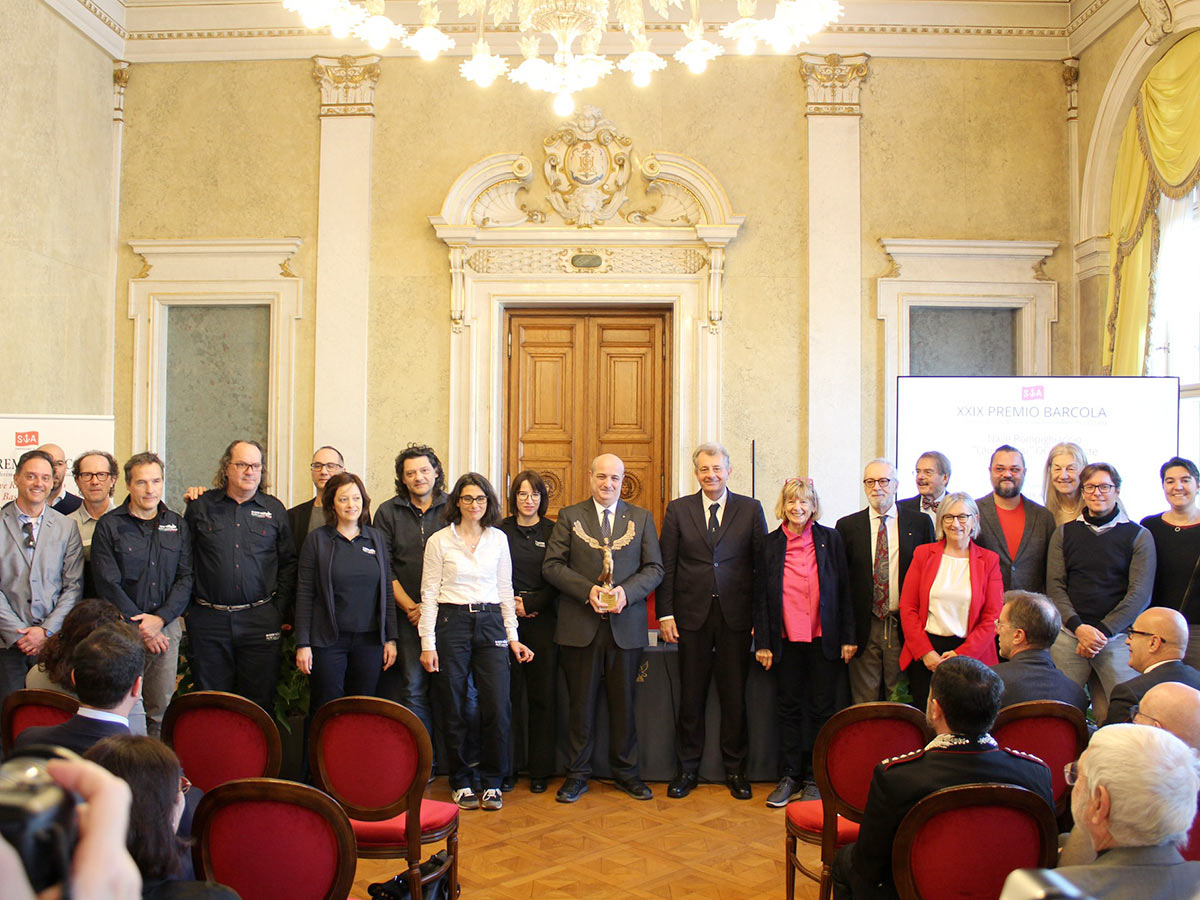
(453,574)
(893,539)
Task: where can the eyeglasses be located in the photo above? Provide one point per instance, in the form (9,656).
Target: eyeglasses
(1099,488)
(1071,772)
(247,467)
(184,784)
(93,476)
(998,624)
(1135,711)
(961,518)
(524,496)
(871,482)
(1132,631)
(476,500)
(928,473)
(329,467)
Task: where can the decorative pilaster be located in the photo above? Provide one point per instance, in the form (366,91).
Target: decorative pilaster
(834,340)
(1070,76)
(347,86)
(120,82)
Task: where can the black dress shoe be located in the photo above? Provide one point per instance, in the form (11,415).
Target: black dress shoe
(682,785)
(572,789)
(508,782)
(537,785)
(739,787)
(635,788)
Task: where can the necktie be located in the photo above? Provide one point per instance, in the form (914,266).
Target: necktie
(712,519)
(606,529)
(879,602)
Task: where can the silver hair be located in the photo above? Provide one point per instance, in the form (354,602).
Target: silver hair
(949,500)
(711,448)
(880,459)
(1152,778)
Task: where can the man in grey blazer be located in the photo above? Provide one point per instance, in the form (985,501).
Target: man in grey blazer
(1135,797)
(598,638)
(1013,526)
(41,570)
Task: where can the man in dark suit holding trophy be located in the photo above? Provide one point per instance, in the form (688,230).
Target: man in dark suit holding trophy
(603,558)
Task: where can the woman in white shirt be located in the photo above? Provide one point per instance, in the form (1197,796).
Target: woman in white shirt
(468,624)
(951,598)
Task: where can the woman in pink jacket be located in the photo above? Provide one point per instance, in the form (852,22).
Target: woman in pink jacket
(951,597)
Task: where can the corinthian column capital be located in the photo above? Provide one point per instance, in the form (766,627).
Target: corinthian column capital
(833,82)
(347,84)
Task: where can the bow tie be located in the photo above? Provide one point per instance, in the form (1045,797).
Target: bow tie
(928,505)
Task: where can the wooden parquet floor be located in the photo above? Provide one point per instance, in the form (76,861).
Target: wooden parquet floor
(606,846)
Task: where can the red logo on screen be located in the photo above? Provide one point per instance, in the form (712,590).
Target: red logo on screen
(27,439)
(1037,392)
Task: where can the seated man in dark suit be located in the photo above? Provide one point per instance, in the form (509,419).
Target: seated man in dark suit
(1157,641)
(964,697)
(108,679)
(1027,628)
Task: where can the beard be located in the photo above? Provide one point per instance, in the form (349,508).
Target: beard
(1008,489)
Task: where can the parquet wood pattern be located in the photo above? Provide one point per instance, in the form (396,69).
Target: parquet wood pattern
(608,846)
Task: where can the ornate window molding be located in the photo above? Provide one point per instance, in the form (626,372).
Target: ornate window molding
(214,273)
(583,237)
(978,274)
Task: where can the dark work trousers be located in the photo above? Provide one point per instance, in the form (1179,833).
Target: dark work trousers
(808,691)
(535,697)
(348,667)
(584,667)
(14,666)
(236,651)
(713,646)
(919,675)
(473,643)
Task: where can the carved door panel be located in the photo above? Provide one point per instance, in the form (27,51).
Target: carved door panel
(585,383)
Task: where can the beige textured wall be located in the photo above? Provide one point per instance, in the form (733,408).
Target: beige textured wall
(55,215)
(221,150)
(958,149)
(431,125)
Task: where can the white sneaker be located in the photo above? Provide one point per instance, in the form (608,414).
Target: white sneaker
(492,799)
(465,798)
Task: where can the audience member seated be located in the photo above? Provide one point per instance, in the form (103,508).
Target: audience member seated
(964,698)
(1174,707)
(1135,797)
(107,674)
(1099,572)
(53,671)
(1156,642)
(152,772)
(1176,534)
(1027,628)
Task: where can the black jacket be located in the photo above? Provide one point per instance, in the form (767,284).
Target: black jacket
(316,619)
(160,560)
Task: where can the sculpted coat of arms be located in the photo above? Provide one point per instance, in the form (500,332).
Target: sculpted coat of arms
(587,166)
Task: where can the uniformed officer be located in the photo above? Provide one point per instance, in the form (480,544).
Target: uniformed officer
(245,565)
(964,698)
(142,565)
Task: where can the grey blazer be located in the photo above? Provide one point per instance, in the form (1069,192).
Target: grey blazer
(1136,873)
(573,568)
(1028,571)
(43,591)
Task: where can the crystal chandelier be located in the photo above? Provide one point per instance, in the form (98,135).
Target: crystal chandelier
(570,68)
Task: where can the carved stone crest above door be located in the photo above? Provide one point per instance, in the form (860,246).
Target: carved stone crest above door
(587,167)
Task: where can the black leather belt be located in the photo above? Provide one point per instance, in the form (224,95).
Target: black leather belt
(238,608)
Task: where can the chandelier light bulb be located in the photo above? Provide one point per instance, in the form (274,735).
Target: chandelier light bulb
(315,14)
(564,105)
(641,78)
(746,44)
(377,31)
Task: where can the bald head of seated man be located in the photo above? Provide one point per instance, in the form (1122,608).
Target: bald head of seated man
(1157,641)
(1174,707)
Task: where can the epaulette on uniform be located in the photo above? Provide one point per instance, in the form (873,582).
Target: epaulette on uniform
(903,757)
(1023,755)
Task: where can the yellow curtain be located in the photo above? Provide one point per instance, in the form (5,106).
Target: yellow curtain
(1159,154)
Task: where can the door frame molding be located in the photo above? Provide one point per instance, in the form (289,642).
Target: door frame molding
(504,256)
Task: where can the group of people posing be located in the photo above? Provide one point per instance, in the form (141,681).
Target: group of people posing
(442,602)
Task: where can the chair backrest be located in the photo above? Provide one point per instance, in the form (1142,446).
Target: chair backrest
(962,842)
(33,708)
(853,742)
(1054,732)
(1191,850)
(374,757)
(267,838)
(219,737)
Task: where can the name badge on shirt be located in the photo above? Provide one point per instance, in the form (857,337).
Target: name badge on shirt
(168,527)
(541,544)
(370,550)
(261,514)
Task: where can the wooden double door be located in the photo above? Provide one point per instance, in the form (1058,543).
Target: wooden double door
(585,382)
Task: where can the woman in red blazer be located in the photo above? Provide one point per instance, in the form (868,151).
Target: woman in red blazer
(951,597)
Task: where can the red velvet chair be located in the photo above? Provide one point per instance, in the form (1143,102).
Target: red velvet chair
(846,752)
(1055,733)
(269,839)
(374,757)
(219,737)
(1191,850)
(960,843)
(33,708)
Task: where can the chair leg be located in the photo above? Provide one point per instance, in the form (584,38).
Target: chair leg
(789,853)
(452,849)
(826,887)
(415,888)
